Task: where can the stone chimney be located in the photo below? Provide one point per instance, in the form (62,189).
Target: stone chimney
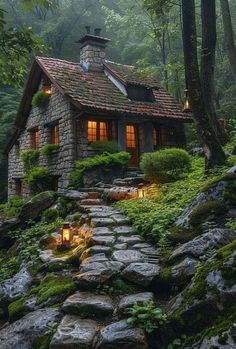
(92,50)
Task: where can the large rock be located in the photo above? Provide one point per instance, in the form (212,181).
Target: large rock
(15,287)
(102,174)
(91,279)
(138,298)
(106,265)
(121,193)
(127,256)
(88,305)
(34,207)
(22,333)
(185,269)
(74,333)
(141,273)
(120,334)
(213,239)
(5,227)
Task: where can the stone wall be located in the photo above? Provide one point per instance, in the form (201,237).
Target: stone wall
(61,163)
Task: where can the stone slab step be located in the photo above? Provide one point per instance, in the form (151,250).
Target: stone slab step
(90,202)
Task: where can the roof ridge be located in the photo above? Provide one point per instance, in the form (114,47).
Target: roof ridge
(124,65)
(57,60)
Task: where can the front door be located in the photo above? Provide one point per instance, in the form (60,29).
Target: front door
(132,143)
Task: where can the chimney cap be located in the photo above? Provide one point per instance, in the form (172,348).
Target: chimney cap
(89,38)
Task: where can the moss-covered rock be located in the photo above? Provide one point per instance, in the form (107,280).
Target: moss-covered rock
(35,206)
(209,208)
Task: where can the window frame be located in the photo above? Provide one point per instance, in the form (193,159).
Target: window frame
(53,135)
(108,125)
(35,139)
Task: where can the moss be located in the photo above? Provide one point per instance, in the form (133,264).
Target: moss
(53,286)
(17,309)
(51,214)
(42,342)
(226,251)
(182,235)
(50,149)
(215,181)
(33,269)
(202,211)
(43,196)
(74,260)
(230,192)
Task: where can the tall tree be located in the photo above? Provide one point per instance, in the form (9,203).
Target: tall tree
(213,151)
(208,16)
(229,35)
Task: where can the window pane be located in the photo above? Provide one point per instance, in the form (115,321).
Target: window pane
(103,131)
(56,139)
(92,131)
(130,136)
(35,139)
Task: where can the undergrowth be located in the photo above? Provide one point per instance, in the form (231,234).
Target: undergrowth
(153,216)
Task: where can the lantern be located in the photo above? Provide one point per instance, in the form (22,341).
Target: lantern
(66,234)
(186,102)
(47,89)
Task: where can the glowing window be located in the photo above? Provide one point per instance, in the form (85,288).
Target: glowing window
(130,136)
(35,139)
(54,134)
(97,131)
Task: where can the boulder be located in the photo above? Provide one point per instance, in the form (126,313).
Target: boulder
(73,333)
(102,174)
(121,193)
(139,298)
(141,274)
(213,239)
(5,227)
(51,241)
(35,206)
(185,269)
(24,332)
(88,305)
(121,334)
(16,286)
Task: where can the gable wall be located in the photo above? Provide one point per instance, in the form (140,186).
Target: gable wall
(60,163)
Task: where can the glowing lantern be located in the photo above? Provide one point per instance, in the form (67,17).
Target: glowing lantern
(186,102)
(66,234)
(47,89)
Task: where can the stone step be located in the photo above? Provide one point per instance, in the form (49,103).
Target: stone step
(90,202)
(89,190)
(129,181)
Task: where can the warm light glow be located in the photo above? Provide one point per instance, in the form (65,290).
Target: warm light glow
(66,234)
(130,136)
(142,192)
(47,89)
(186,102)
(97,131)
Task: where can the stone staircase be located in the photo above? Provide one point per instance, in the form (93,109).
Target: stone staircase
(117,270)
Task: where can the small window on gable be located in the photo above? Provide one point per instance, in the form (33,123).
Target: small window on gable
(99,131)
(35,139)
(140,93)
(54,137)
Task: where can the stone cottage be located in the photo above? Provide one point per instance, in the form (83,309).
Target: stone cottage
(91,100)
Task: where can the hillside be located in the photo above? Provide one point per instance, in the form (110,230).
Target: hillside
(172,253)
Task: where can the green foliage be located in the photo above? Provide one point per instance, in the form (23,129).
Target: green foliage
(9,268)
(52,286)
(104,160)
(204,210)
(38,179)
(50,149)
(230,193)
(165,165)
(40,99)
(29,158)
(17,309)
(74,260)
(181,235)
(51,214)
(154,216)
(12,208)
(146,316)
(105,146)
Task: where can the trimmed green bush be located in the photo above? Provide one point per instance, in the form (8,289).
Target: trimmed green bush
(165,165)
(40,99)
(105,160)
(105,146)
(38,179)
(49,149)
(29,158)
(51,214)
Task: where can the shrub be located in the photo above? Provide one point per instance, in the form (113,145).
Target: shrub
(146,316)
(105,146)
(105,160)
(49,149)
(40,99)
(29,158)
(12,207)
(38,179)
(165,165)
(51,214)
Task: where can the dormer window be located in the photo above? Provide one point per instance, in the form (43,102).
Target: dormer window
(140,93)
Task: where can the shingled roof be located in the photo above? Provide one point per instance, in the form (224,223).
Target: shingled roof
(94,90)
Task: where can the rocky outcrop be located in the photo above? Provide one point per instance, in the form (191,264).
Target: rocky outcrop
(24,332)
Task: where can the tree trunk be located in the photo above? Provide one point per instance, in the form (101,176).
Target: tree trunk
(229,35)
(213,151)
(208,14)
